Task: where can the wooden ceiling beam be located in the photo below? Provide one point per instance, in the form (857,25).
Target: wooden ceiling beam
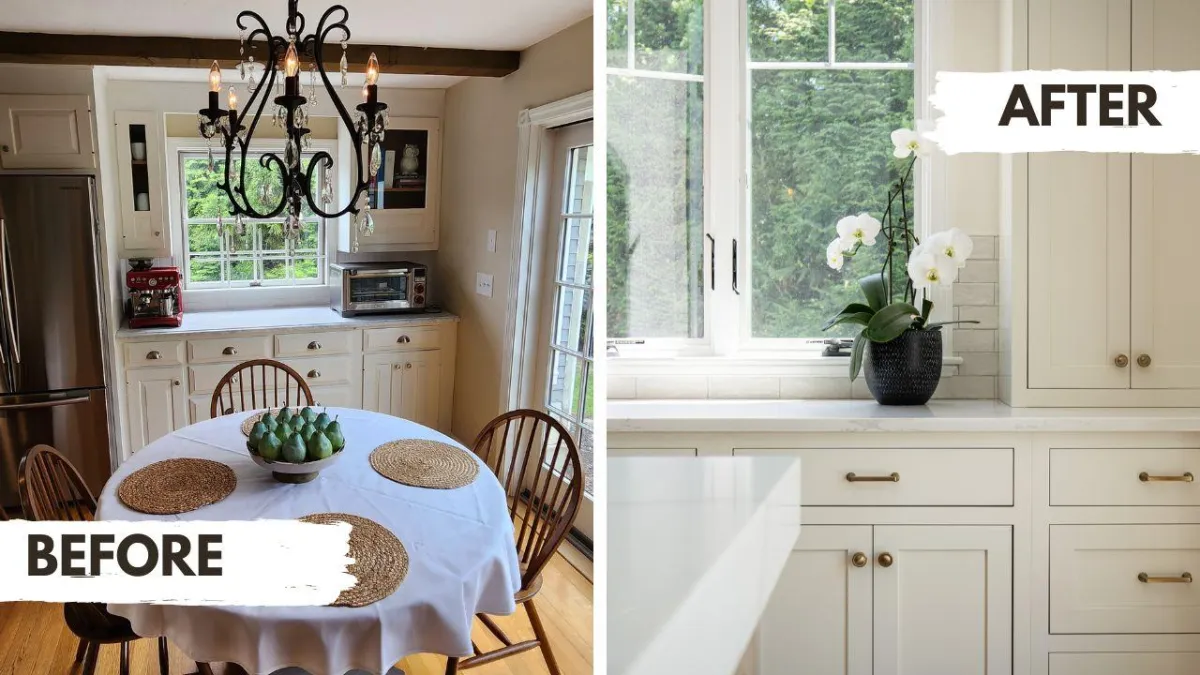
(180,52)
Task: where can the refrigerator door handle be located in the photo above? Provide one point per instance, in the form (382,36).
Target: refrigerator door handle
(6,289)
(50,403)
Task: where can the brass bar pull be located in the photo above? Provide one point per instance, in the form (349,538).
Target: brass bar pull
(890,478)
(1185,578)
(859,559)
(1186,477)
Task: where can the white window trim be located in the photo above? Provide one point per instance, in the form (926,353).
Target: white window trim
(210,299)
(729,349)
(518,384)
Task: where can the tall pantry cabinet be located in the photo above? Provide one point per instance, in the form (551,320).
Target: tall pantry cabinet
(1109,239)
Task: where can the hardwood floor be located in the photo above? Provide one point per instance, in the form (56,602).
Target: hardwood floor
(35,641)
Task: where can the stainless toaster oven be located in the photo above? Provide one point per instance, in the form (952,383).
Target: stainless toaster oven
(377,288)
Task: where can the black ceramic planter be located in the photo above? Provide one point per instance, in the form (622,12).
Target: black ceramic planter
(906,370)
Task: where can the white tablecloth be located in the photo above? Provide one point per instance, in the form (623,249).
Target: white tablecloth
(462,560)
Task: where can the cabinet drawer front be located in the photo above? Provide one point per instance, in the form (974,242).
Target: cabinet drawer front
(1124,477)
(314,344)
(229,350)
(145,354)
(325,371)
(1096,582)
(902,477)
(400,338)
(1124,663)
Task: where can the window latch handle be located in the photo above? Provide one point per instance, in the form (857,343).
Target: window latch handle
(735,268)
(712,261)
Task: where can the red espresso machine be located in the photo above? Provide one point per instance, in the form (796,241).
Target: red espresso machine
(155,299)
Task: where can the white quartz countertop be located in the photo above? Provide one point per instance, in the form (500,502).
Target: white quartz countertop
(838,416)
(278,318)
(695,548)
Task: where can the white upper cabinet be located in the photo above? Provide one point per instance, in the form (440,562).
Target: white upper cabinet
(141,176)
(1166,307)
(1111,309)
(46,132)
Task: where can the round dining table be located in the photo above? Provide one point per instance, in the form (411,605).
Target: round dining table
(462,559)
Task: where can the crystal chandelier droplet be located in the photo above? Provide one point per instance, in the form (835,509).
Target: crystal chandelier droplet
(240,225)
(291,155)
(212,166)
(376,159)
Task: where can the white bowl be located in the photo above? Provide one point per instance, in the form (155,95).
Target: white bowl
(287,472)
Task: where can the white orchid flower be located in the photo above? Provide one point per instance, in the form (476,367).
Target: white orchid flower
(860,229)
(953,244)
(833,254)
(926,269)
(906,141)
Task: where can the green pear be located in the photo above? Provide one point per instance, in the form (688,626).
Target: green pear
(294,450)
(257,432)
(308,414)
(307,431)
(267,417)
(319,447)
(322,421)
(285,415)
(269,447)
(334,433)
(282,432)
(252,446)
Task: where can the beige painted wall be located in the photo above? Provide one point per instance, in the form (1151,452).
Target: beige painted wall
(478,191)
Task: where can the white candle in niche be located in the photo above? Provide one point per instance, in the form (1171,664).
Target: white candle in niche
(141,201)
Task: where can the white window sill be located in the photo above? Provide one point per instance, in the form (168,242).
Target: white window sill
(756,365)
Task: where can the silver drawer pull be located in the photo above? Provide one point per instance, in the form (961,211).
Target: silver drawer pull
(403,339)
(154,355)
(855,478)
(229,351)
(1186,477)
(1185,578)
(314,373)
(314,345)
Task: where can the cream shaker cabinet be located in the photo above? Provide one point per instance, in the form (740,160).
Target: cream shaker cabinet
(141,177)
(46,132)
(157,403)
(1110,299)
(405,385)
(892,600)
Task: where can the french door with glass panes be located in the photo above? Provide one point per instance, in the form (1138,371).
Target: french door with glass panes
(565,361)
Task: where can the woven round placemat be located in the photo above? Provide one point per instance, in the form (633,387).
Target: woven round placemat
(249,422)
(427,464)
(380,560)
(176,486)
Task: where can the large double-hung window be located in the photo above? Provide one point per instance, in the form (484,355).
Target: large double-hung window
(740,131)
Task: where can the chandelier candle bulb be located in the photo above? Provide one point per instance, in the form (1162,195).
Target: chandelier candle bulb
(214,77)
(232,99)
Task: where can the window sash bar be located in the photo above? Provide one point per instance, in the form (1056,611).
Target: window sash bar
(832,12)
(655,74)
(822,65)
(630,48)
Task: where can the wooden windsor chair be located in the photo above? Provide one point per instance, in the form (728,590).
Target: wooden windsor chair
(538,464)
(51,488)
(260,383)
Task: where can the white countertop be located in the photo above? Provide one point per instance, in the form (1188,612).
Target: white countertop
(695,548)
(838,416)
(277,318)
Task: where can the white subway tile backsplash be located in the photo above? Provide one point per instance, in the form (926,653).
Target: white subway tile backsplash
(983,248)
(988,317)
(678,386)
(974,340)
(743,387)
(980,270)
(794,388)
(979,363)
(974,294)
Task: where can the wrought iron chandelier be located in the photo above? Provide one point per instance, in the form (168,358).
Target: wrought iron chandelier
(236,128)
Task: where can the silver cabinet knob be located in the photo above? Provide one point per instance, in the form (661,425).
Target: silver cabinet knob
(1121,361)
(229,351)
(314,373)
(154,355)
(1144,360)
(314,345)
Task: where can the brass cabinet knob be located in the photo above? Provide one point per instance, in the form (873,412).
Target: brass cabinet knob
(154,355)
(408,366)
(229,351)
(314,345)
(314,373)
(1144,360)
(175,382)
(1121,360)
(886,560)
(859,559)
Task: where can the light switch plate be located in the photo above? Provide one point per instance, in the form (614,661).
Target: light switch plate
(483,284)
(491,242)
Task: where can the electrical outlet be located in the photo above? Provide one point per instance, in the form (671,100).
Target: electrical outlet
(483,284)
(491,242)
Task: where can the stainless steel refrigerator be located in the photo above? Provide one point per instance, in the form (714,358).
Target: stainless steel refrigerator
(52,360)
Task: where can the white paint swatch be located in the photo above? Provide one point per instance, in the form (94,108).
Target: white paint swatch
(262,563)
(972,105)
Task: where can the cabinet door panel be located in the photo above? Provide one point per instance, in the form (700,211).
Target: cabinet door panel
(1165,306)
(819,617)
(46,132)
(406,385)
(1078,216)
(143,230)
(157,404)
(944,605)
